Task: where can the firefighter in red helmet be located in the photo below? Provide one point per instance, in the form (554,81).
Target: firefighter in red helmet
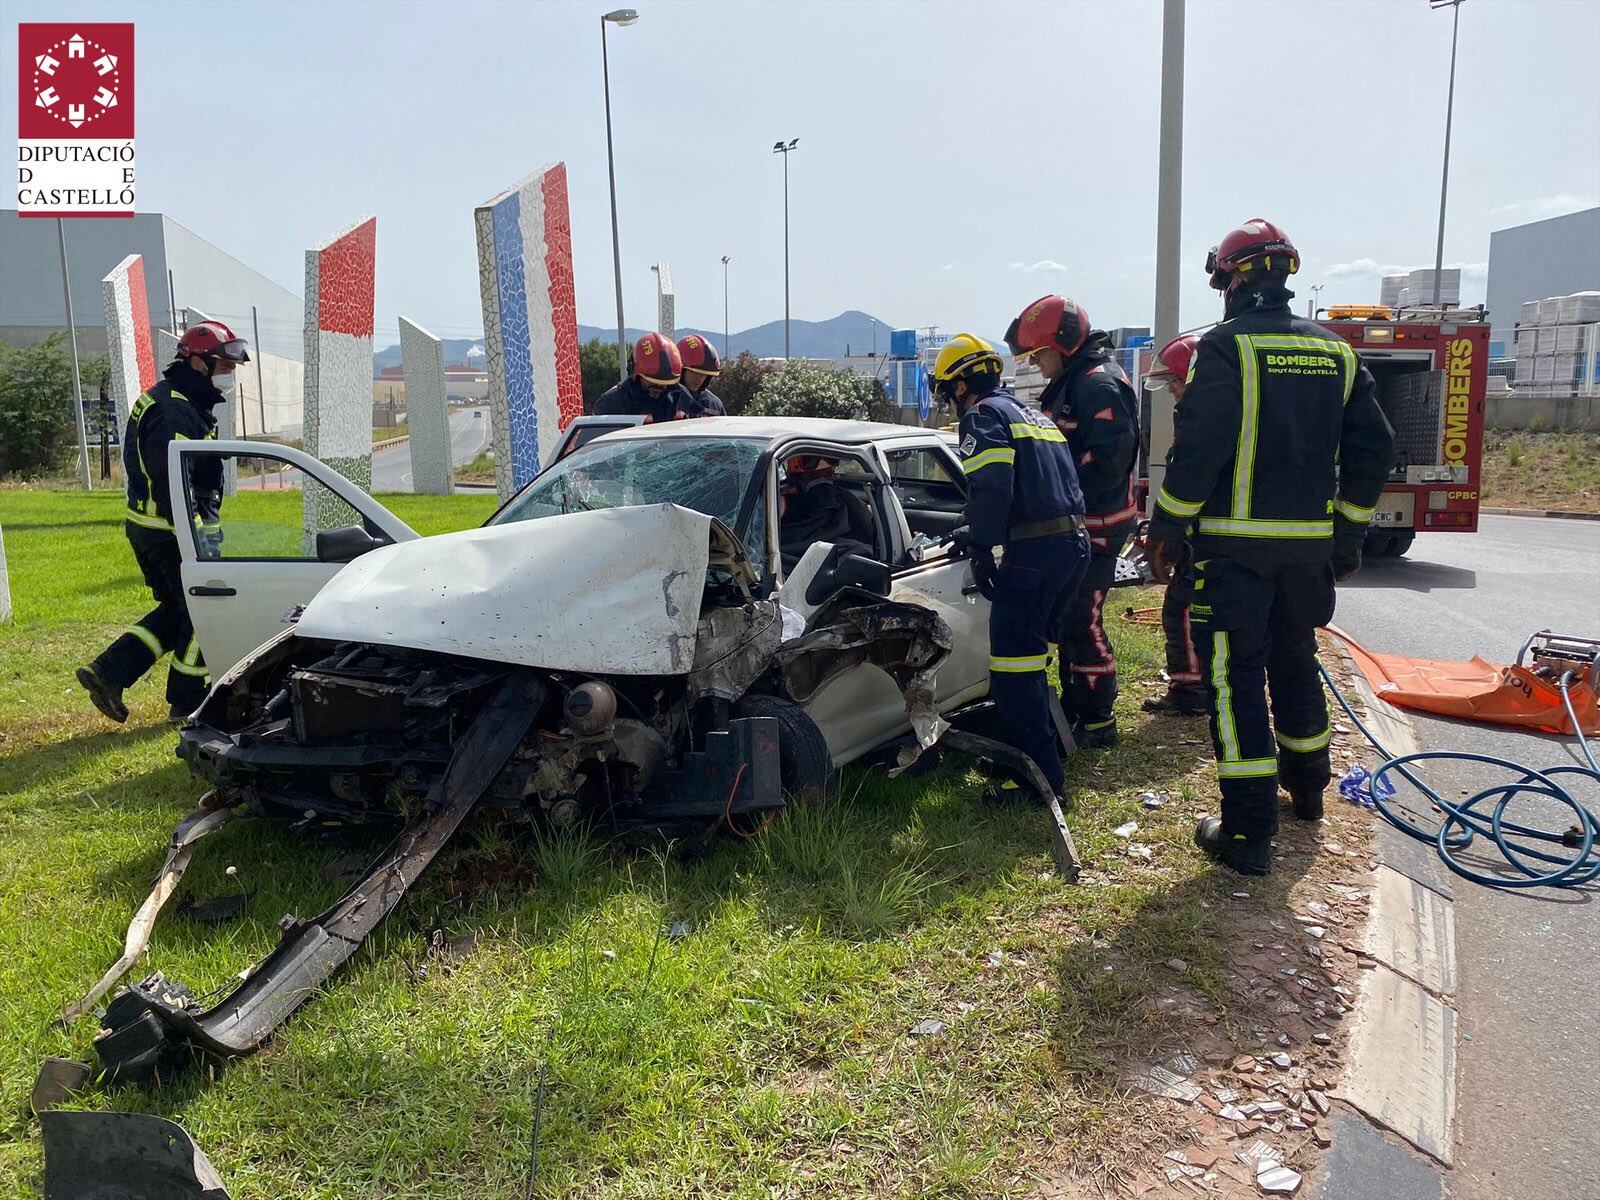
(1090,399)
(179,406)
(701,364)
(1186,696)
(1279,453)
(651,389)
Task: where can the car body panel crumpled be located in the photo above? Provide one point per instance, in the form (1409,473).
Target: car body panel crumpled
(612,591)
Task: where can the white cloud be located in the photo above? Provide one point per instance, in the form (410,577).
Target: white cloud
(1545,206)
(1043,265)
(1469,270)
(948,267)
(1361,268)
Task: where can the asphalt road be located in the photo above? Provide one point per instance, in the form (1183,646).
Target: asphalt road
(469,437)
(1528,1081)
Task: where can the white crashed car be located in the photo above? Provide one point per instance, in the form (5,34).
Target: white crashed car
(641,577)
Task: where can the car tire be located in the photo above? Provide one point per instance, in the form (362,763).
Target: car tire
(1402,544)
(805,765)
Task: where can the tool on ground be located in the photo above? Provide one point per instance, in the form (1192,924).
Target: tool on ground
(1533,857)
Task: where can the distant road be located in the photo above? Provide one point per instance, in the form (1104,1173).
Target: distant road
(469,437)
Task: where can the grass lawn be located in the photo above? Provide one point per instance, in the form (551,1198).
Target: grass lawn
(760,1048)
(1523,469)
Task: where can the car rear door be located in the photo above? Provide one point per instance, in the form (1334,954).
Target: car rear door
(243,588)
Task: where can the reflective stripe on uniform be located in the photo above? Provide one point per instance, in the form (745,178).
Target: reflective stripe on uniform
(1306,745)
(1353,512)
(1017,666)
(1182,509)
(1093,725)
(184,668)
(148,638)
(987,458)
(139,518)
(1244,463)
(188,663)
(1224,527)
(1247,768)
(1227,730)
(1038,432)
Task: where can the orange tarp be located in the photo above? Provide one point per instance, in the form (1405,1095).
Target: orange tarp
(1475,690)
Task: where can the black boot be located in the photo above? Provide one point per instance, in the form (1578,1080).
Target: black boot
(1095,736)
(1010,794)
(1181,700)
(1307,803)
(106,696)
(1244,856)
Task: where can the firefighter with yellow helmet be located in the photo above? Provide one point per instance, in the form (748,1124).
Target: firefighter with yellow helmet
(1024,534)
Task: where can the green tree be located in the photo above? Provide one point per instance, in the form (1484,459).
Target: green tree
(597,359)
(803,389)
(736,387)
(38,432)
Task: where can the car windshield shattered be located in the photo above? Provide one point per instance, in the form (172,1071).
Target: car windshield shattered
(709,475)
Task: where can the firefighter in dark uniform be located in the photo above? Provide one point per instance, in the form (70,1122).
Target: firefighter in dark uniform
(180,406)
(1089,397)
(1186,695)
(701,364)
(1022,499)
(651,390)
(1279,453)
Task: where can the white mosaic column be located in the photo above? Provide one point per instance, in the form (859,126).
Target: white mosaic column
(5,583)
(427,415)
(338,367)
(666,303)
(133,363)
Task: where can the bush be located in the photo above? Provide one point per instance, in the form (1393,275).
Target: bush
(38,432)
(597,360)
(802,389)
(740,380)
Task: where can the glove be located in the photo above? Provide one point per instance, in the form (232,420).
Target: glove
(961,540)
(208,540)
(1346,561)
(1166,556)
(984,570)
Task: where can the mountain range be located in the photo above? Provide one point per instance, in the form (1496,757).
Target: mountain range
(850,332)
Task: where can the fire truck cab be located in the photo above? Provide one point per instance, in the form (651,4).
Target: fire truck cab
(1431,367)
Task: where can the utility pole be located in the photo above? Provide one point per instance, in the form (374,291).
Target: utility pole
(1169,225)
(783,148)
(621,16)
(72,337)
(726,259)
(1444,176)
(261,392)
(1311,301)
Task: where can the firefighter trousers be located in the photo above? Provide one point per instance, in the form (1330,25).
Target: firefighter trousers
(1033,577)
(1088,665)
(1183,660)
(164,629)
(1256,629)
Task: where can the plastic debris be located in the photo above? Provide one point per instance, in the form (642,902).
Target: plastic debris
(929,1027)
(679,930)
(1274,1177)
(1355,785)
(1152,800)
(1126,831)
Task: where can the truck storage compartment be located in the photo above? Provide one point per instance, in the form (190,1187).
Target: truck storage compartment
(1411,394)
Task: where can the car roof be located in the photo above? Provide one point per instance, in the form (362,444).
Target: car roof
(772,429)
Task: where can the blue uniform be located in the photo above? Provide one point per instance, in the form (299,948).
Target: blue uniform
(1023,495)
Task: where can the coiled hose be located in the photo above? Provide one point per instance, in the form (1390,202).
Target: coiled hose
(1483,815)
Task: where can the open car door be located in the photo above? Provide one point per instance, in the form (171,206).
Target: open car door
(246,577)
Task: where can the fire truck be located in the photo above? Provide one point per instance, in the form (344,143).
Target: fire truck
(1432,370)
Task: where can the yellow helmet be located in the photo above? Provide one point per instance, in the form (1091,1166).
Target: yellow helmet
(965,356)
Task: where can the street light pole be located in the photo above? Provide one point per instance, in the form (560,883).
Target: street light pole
(1449,116)
(621,16)
(726,259)
(1311,301)
(72,338)
(783,148)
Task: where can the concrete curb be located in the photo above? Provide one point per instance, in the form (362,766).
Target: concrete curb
(1541,512)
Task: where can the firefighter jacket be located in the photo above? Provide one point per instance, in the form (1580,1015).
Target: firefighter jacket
(178,407)
(1020,479)
(1279,446)
(704,403)
(629,399)
(1095,406)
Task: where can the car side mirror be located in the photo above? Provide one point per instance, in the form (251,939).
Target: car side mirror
(346,543)
(843,570)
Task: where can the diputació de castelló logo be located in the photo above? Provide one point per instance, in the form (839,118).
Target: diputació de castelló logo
(75,153)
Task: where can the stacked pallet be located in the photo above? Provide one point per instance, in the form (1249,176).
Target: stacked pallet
(1558,346)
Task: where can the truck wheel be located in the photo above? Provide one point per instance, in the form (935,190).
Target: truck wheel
(1402,543)
(1378,545)
(805,766)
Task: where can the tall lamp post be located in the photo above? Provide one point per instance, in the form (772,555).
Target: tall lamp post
(1311,303)
(783,148)
(621,16)
(1449,115)
(726,259)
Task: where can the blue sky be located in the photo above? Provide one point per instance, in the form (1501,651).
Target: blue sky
(956,160)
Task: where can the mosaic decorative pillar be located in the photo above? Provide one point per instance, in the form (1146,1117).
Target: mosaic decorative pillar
(530,322)
(133,360)
(5,583)
(666,303)
(427,415)
(338,367)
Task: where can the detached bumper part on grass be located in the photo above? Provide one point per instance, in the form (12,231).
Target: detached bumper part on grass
(150,1027)
(124,1156)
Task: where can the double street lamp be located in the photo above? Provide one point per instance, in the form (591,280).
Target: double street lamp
(621,16)
(783,148)
(726,259)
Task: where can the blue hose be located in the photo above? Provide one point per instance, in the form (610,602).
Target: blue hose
(1520,845)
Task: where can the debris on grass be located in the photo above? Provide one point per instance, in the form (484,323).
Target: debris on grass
(929,1027)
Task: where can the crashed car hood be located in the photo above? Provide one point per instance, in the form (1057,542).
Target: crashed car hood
(614,591)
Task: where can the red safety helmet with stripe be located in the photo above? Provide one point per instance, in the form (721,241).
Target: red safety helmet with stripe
(1172,361)
(1050,322)
(211,340)
(697,354)
(1257,241)
(656,360)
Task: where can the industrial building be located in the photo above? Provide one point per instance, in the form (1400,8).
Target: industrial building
(1555,257)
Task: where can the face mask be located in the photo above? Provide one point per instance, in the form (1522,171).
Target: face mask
(225,383)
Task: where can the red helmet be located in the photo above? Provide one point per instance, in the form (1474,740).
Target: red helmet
(213,339)
(700,355)
(656,360)
(1055,322)
(1256,241)
(1172,360)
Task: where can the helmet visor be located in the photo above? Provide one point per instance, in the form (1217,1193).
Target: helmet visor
(236,350)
